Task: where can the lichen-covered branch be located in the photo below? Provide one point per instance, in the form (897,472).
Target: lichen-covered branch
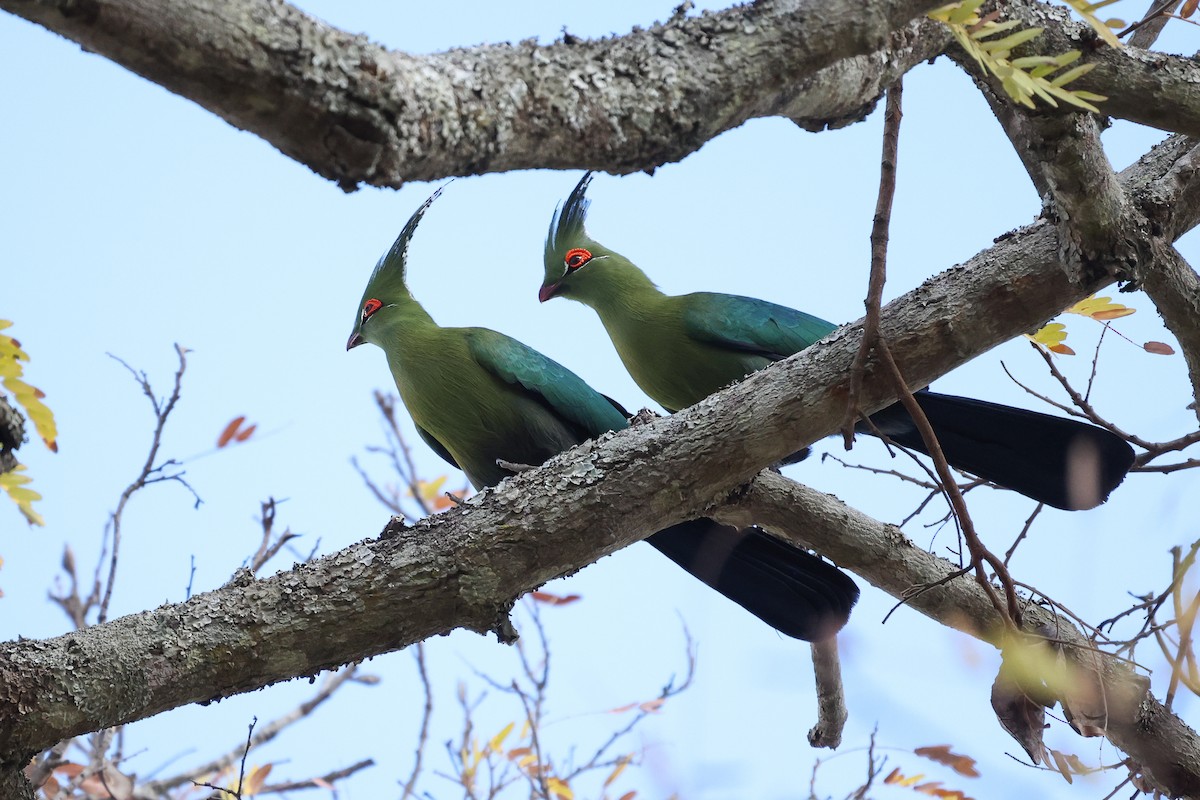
(464,568)
(1166,748)
(355,112)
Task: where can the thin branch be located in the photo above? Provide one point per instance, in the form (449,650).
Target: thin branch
(150,472)
(266,733)
(427,712)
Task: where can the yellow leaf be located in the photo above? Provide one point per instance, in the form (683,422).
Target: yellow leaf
(432,494)
(1051,337)
(12,483)
(496,741)
(29,397)
(622,763)
(1100,309)
(254,780)
(559,788)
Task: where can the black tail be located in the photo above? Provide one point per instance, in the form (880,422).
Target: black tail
(790,589)
(1060,462)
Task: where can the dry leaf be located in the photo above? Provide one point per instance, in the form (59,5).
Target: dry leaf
(963,765)
(1021,717)
(554,599)
(230,431)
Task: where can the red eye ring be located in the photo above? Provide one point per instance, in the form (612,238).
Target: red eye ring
(576,257)
(370,307)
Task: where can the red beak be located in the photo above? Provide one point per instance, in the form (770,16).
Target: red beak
(355,340)
(547,291)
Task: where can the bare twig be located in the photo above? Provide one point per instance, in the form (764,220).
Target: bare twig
(319,782)
(151,472)
(423,736)
(879,242)
(333,682)
(267,549)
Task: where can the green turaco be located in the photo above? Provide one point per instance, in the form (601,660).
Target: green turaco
(682,348)
(479,397)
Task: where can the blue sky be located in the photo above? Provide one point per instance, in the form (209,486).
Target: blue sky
(133,219)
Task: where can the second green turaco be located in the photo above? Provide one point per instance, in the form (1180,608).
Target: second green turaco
(682,348)
(478,397)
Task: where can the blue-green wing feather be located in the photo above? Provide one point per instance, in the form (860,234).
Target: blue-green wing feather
(559,389)
(751,325)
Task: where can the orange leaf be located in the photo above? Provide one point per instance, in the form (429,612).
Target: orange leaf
(628,796)
(518,752)
(1061,349)
(963,765)
(255,780)
(651,706)
(246,434)
(554,599)
(1159,348)
(230,431)
(895,776)
(1188,8)
(51,787)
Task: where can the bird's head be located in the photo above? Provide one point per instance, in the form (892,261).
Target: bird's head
(386,289)
(571,255)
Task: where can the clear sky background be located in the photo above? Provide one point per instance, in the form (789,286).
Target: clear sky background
(131,219)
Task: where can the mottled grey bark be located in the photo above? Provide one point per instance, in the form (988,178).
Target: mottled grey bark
(463,568)
(355,112)
(1155,737)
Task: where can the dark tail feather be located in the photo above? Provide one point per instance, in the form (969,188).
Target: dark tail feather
(790,589)
(1060,462)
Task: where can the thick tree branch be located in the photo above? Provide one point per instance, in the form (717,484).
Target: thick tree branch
(1154,736)
(1175,289)
(1126,76)
(1098,222)
(355,112)
(464,568)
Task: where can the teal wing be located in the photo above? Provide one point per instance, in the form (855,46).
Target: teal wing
(750,325)
(552,384)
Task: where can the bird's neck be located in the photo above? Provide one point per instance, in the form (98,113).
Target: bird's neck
(409,321)
(619,289)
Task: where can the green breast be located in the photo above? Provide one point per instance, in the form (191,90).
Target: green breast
(671,366)
(473,414)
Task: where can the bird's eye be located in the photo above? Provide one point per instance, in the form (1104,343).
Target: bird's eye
(370,307)
(576,258)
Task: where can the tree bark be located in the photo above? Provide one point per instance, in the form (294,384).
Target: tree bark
(355,112)
(465,567)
